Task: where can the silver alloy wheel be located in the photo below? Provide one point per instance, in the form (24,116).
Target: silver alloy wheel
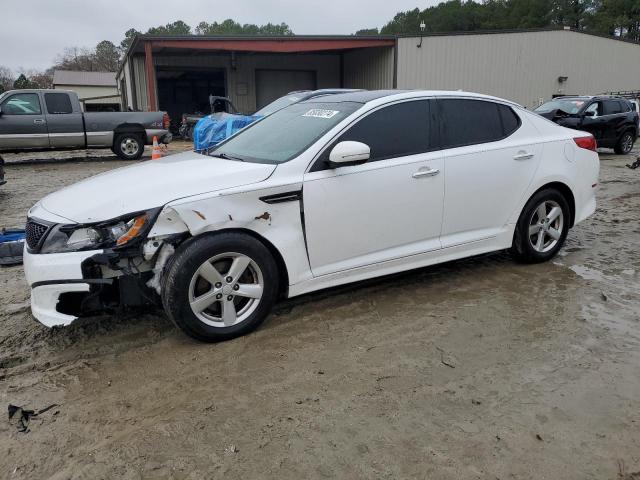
(627,142)
(226,289)
(545,226)
(129,147)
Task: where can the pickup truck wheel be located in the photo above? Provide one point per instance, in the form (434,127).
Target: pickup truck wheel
(625,143)
(128,146)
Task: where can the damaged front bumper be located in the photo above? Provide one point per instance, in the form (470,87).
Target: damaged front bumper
(65,286)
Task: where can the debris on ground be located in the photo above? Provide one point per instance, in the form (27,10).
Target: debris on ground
(21,417)
(448,363)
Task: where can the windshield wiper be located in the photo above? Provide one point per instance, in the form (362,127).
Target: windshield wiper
(226,156)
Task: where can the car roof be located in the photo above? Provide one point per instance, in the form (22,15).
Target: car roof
(590,97)
(365,96)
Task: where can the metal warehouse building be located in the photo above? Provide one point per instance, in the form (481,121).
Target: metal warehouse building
(177,74)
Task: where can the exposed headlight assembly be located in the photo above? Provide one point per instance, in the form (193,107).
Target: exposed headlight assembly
(116,233)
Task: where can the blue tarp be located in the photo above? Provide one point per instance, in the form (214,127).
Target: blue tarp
(213,129)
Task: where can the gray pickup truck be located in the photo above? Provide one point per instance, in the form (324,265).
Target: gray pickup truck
(53,120)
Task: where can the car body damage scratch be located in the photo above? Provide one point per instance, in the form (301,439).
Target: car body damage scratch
(200,214)
(264,216)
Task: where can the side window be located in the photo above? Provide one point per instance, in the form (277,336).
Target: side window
(394,131)
(510,121)
(596,108)
(22,104)
(611,107)
(469,122)
(58,103)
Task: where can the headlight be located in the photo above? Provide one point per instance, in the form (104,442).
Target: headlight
(70,238)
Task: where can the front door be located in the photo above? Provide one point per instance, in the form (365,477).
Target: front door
(22,122)
(386,208)
(595,122)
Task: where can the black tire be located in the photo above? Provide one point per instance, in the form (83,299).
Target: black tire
(188,259)
(523,248)
(128,146)
(624,145)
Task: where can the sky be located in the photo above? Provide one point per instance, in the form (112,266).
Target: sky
(34,32)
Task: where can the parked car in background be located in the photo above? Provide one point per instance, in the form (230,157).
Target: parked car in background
(613,121)
(32,120)
(281,208)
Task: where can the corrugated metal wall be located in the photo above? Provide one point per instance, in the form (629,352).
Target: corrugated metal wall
(370,68)
(241,80)
(140,83)
(523,67)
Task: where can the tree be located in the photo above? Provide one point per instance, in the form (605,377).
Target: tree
(107,56)
(175,28)
(22,82)
(6,79)
(368,31)
(129,35)
(231,27)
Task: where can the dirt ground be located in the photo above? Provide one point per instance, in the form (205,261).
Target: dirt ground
(481,368)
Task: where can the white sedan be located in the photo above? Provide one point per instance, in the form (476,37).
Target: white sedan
(324,192)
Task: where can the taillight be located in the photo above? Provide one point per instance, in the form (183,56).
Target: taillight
(166,121)
(586,142)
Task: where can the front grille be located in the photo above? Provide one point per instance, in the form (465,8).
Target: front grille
(34,233)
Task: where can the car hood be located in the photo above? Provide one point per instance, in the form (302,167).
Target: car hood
(150,184)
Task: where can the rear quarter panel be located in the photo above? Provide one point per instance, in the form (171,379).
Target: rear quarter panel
(564,162)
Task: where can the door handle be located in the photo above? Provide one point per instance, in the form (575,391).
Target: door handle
(523,156)
(426,173)
(38,121)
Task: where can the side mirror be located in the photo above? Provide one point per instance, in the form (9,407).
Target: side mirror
(590,113)
(349,153)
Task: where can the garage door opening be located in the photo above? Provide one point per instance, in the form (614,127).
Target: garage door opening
(273,84)
(187,91)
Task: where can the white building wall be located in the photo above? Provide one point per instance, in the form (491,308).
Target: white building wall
(523,67)
(88,91)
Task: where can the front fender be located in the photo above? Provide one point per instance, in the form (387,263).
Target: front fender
(279,223)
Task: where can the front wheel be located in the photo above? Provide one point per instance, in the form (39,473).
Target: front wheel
(542,227)
(220,286)
(128,146)
(625,144)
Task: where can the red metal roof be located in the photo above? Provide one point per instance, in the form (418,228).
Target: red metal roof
(280,45)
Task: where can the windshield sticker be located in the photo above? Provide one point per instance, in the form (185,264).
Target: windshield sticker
(320,113)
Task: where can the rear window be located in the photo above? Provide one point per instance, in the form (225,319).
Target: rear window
(611,107)
(58,103)
(469,122)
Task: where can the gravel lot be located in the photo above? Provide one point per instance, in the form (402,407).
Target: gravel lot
(480,368)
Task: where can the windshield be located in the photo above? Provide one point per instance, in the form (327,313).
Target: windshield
(286,134)
(568,105)
(280,103)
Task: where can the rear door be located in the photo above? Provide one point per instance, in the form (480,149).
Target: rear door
(490,157)
(65,124)
(616,120)
(22,122)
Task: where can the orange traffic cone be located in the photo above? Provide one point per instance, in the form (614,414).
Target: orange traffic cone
(156,152)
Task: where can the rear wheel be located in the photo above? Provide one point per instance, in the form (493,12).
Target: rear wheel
(220,286)
(128,146)
(625,143)
(542,227)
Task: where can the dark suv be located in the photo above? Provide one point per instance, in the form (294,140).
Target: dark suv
(613,121)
